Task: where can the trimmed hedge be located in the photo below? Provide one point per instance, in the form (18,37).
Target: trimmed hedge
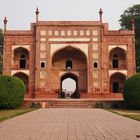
(131,92)
(12,90)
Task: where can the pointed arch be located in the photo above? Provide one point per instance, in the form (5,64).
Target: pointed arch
(68,48)
(117,58)
(20,58)
(25,78)
(74,91)
(68,64)
(77,63)
(116,82)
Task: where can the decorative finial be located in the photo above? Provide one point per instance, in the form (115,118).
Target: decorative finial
(100,13)
(5,23)
(133,23)
(37,13)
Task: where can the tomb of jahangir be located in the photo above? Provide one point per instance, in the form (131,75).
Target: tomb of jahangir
(99,60)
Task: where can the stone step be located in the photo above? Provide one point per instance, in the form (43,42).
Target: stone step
(70,104)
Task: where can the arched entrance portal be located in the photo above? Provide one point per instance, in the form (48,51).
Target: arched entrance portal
(71,63)
(69,86)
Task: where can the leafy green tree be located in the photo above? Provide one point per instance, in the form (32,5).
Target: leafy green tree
(12,90)
(1,49)
(1,36)
(131,92)
(125,22)
(1,60)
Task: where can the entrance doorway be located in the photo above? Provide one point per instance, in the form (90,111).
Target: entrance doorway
(116,82)
(115,87)
(69,86)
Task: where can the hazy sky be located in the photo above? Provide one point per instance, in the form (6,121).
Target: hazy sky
(69,84)
(20,13)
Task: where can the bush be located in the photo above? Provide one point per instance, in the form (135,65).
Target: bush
(131,92)
(12,91)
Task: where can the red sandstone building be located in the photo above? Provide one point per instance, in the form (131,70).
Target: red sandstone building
(98,59)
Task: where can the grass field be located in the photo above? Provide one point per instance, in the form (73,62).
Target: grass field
(133,114)
(10,113)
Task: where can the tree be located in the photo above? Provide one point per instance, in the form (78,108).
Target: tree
(1,50)
(125,22)
(12,90)
(131,92)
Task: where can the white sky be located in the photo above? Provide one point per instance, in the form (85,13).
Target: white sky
(69,84)
(20,13)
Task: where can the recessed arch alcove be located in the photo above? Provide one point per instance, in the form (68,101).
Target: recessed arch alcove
(69,60)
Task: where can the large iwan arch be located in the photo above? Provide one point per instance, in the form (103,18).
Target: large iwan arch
(69,60)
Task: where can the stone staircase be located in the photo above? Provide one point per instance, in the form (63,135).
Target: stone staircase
(69,103)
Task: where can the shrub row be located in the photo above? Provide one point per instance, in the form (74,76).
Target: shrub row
(131,92)
(12,91)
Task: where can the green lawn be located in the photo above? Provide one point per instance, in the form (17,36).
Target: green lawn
(9,113)
(133,114)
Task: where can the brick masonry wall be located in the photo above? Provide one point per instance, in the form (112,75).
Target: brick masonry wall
(92,39)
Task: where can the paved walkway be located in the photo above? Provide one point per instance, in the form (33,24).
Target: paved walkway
(69,124)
